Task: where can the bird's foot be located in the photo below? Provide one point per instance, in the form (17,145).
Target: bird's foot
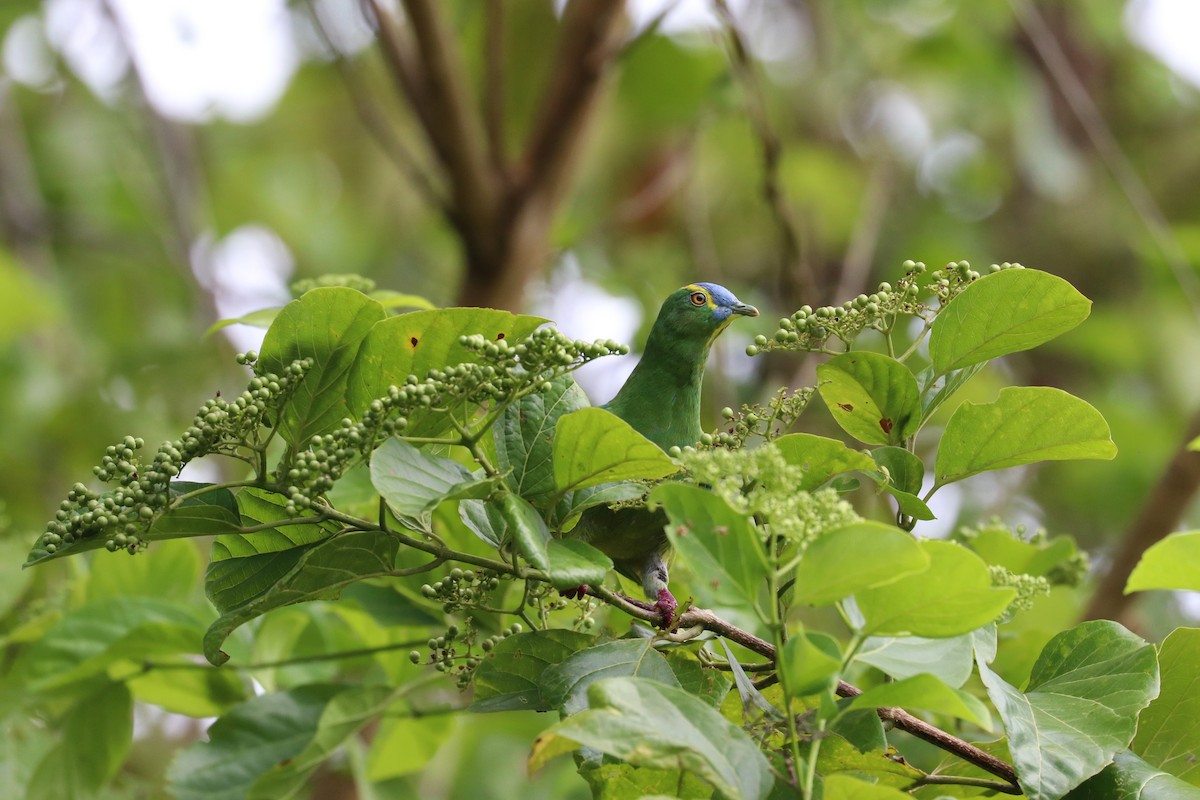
(577,593)
(665,606)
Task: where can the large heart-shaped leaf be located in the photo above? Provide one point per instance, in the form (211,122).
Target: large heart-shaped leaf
(1169,730)
(649,724)
(564,685)
(524,437)
(510,678)
(820,457)
(327,325)
(1080,707)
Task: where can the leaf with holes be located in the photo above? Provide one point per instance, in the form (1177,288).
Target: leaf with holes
(873,398)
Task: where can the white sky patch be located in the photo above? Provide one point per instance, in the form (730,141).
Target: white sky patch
(583,310)
(26,55)
(1168,29)
(246,271)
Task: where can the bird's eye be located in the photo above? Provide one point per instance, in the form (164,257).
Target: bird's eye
(699,298)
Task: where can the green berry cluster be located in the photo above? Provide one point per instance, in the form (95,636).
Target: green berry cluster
(504,371)
(810,330)
(348,280)
(462,588)
(753,419)
(124,514)
(444,655)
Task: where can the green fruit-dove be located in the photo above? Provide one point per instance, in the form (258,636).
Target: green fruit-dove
(661,401)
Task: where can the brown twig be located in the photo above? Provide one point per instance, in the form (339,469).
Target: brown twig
(373,120)
(896,716)
(794,266)
(493,83)
(1160,514)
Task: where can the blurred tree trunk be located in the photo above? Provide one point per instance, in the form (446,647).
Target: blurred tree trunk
(501,208)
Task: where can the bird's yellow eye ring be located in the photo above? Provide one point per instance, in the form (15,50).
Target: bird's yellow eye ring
(699,298)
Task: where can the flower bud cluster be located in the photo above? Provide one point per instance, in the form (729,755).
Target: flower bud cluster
(810,329)
(124,514)
(504,371)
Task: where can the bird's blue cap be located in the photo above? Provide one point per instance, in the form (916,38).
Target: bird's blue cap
(724,304)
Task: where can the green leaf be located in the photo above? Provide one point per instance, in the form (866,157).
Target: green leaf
(937,389)
(1079,708)
(1171,563)
(391,299)
(416,342)
(104,721)
(268,734)
(244,566)
(574,503)
(564,685)
(192,692)
(648,724)
(527,529)
(821,458)
(320,572)
(844,787)
(719,544)
(838,755)
(262,318)
(873,397)
(1131,778)
(1194,444)
(510,678)
(1168,735)
(576,563)
(905,473)
(810,662)
(1024,425)
(414,482)
(346,713)
(327,325)
(950,660)
(927,693)
(853,558)
(81,647)
(524,437)
(593,446)
(168,571)
(485,521)
(615,781)
(405,745)
(1005,312)
(710,685)
(952,596)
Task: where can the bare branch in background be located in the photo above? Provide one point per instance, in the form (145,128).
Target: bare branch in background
(24,223)
(1106,145)
(493,91)
(796,270)
(864,241)
(376,124)
(1160,515)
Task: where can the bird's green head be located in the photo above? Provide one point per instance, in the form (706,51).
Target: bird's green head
(701,311)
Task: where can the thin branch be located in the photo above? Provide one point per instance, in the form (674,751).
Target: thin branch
(493,85)
(373,120)
(450,124)
(1160,514)
(587,47)
(856,265)
(1109,149)
(793,262)
(896,716)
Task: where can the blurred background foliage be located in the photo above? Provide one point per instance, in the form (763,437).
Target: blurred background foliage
(794,151)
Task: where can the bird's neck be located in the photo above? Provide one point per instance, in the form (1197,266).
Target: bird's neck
(661,398)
